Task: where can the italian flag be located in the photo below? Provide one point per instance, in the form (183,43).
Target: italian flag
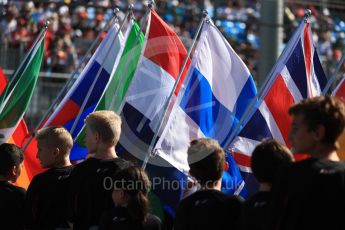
(19,137)
(17,94)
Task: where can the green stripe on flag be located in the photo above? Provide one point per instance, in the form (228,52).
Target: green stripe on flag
(117,88)
(17,95)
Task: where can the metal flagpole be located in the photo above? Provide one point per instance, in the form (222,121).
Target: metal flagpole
(71,78)
(334,75)
(132,53)
(96,78)
(166,106)
(142,21)
(286,52)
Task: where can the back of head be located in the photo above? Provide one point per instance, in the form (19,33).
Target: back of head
(10,155)
(267,158)
(56,136)
(206,160)
(324,110)
(107,124)
(136,184)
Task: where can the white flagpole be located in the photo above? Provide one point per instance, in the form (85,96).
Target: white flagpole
(131,55)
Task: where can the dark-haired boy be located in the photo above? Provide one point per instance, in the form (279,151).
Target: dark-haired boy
(268,158)
(310,194)
(12,198)
(208,208)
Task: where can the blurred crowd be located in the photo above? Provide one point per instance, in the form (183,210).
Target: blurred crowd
(75,24)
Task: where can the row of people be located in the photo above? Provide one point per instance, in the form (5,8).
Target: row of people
(304,195)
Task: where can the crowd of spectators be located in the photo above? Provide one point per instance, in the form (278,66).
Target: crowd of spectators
(75,24)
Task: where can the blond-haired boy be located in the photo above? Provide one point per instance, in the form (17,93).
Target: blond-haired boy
(90,190)
(47,192)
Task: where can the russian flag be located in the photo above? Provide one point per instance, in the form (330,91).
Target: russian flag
(142,109)
(298,75)
(96,73)
(217,91)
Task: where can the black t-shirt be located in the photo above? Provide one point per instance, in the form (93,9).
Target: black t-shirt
(309,195)
(46,199)
(118,218)
(12,201)
(91,189)
(256,211)
(209,209)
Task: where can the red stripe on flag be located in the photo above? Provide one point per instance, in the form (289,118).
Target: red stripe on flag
(307,56)
(341,91)
(68,112)
(19,137)
(279,100)
(3,81)
(241,159)
(165,49)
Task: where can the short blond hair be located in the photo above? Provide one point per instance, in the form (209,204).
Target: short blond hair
(107,124)
(56,136)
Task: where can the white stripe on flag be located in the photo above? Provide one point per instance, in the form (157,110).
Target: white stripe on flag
(150,90)
(271,123)
(290,84)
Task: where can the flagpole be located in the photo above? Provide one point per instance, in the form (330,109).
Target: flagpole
(271,77)
(38,38)
(132,53)
(334,75)
(166,106)
(95,80)
(142,21)
(70,79)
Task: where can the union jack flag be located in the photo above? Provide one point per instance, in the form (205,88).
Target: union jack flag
(298,74)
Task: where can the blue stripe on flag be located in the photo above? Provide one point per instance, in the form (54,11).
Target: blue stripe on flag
(199,103)
(134,119)
(246,96)
(297,70)
(256,128)
(232,178)
(78,152)
(78,96)
(320,74)
(80,123)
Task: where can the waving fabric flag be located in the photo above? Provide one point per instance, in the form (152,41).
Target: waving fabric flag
(117,87)
(31,164)
(102,65)
(153,81)
(298,75)
(217,91)
(151,86)
(17,95)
